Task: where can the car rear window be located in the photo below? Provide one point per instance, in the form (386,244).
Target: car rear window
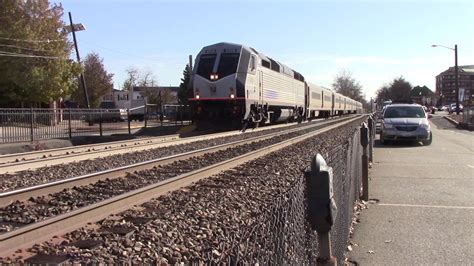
(404,112)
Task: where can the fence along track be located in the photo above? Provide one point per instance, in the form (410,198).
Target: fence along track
(56,186)
(32,160)
(44,230)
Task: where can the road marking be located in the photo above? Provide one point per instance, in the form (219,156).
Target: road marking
(470,166)
(427,206)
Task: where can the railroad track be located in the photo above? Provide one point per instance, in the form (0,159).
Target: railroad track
(44,230)
(12,163)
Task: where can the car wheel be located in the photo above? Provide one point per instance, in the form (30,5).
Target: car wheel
(428,141)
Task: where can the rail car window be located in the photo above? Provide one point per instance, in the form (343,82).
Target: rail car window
(206,64)
(228,64)
(327,98)
(275,66)
(315,95)
(265,63)
(252,63)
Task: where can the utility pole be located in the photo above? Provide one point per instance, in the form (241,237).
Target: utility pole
(83,80)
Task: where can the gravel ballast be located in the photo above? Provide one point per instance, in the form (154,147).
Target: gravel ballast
(28,178)
(203,221)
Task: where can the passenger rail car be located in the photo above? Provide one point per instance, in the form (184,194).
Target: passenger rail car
(233,83)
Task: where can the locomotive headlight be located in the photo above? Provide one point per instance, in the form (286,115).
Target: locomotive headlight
(214,76)
(232,96)
(197,96)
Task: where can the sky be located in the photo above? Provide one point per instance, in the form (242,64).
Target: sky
(376,41)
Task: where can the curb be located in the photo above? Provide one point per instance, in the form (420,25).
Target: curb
(454,122)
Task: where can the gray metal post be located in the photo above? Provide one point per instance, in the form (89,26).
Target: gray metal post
(364,140)
(69,123)
(31,124)
(371,137)
(322,208)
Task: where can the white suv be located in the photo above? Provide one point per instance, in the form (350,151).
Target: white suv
(406,122)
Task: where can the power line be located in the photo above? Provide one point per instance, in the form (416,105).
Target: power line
(116,51)
(34,41)
(24,48)
(8,54)
(150,59)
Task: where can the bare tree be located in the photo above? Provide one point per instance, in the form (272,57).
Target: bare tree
(346,85)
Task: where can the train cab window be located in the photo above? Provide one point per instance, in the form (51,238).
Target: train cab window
(275,66)
(206,64)
(252,63)
(228,64)
(265,63)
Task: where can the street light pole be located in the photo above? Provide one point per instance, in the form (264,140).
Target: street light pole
(456,78)
(83,80)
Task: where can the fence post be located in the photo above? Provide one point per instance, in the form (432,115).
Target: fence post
(371,138)
(364,140)
(145,112)
(128,121)
(100,122)
(322,209)
(69,123)
(31,124)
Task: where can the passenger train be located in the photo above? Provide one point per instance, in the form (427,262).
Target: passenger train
(233,83)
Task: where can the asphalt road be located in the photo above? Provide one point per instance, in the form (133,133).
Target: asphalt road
(423,207)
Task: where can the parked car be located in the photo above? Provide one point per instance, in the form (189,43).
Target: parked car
(443,108)
(406,122)
(452,108)
(107,115)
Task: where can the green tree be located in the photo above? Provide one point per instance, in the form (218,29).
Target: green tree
(98,81)
(398,91)
(184,87)
(34,58)
(346,85)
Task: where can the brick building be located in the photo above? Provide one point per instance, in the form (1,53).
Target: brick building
(446,86)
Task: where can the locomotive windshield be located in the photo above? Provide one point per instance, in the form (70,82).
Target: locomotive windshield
(228,64)
(206,64)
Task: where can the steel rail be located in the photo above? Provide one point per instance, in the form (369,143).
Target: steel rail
(61,224)
(32,160)
(23,194)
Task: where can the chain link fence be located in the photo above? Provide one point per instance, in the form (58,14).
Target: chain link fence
(284,235)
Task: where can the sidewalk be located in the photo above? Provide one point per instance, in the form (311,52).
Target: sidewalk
(422,207)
